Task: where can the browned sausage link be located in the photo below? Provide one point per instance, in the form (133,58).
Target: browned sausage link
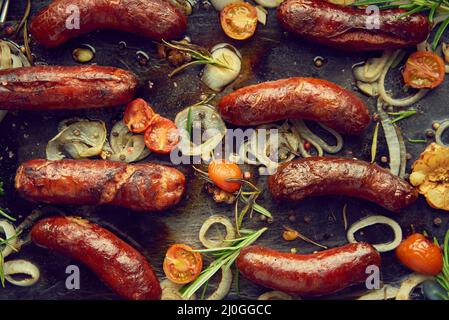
(119,265)
(305,275)
(143,187)
(293,98)
(58,87)
(155,19)
(316,176)
(350,28)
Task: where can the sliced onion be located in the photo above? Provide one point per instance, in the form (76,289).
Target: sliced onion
(409,284)
(14,267)
(82,139)
(11,234)
(370,89)
(307,134)
(371,70)
(216,77)
(439,133)
(220,4)
(261,14)
(170,291)
(387,292)
(391,136)
(224,286)
(403,102)
(230,231)
(269,3)
(274,295)
(124,145)
(214,129)
(369,221)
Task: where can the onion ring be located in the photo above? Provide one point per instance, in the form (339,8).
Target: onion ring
(224,286)
(10,236)
(274,295)
(369,221)
(21,267)
(409,284)
(230,231)
(439,133)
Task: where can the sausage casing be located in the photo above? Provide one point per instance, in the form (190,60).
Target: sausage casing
(296,98)
(120,266)
(65,87)
(350,28)
(315,274)
(142,187)
(315,176)
(155,19)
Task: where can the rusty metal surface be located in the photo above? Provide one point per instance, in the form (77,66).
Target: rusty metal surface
(271,54)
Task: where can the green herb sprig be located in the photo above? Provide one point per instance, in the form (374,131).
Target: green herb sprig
(224,258)
(443,277)
(199,56)
(433,9)
(401,115)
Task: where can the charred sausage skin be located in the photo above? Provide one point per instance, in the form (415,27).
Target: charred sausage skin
(65,87)
(349,28)
(296,98)
(141,187)
(119,265)
(155,19)
(316,176)
(315,274)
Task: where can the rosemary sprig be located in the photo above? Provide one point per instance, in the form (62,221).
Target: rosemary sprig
(225,257)
(401,115)
(443,277)
(7,216)
(433,9)
(199,55)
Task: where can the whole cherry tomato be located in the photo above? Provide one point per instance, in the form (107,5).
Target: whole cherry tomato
(220,171)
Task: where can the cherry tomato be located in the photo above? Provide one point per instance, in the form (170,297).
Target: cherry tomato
(239,20)
(138,115)
(420,254)
(220,171)
(162,136)
(424,69)
(181,265)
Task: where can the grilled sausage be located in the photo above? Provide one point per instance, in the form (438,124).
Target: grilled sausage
(60,87)
(66,19)
(306,275)
(120,266)
(315,176)
(350,28)
(304,98)
(142,187)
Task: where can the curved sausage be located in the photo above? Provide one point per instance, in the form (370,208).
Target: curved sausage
(155,19)
(350,28)
(141,187)
(120,266)
(316,176)
(65,87)
(315,274)
(293,98)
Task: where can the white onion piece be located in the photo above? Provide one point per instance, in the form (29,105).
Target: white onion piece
(81,139)
(370,71)
(307,134)
(10,233)
(409,284)
(274,295)
(269,3)
(261,15)
(392,138)
(170,291)
(214,130)
(439,133)
(387,292)
(370,89)
(369,221)
(14,267)
(230,231)
(220,4)
(224,286)
(403,102)
(216,77)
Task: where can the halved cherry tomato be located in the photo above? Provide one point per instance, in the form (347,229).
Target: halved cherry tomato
(424,69)
(162,136)
(420,254)
(138,115)
(181,265)
(220,171)
(239,20)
